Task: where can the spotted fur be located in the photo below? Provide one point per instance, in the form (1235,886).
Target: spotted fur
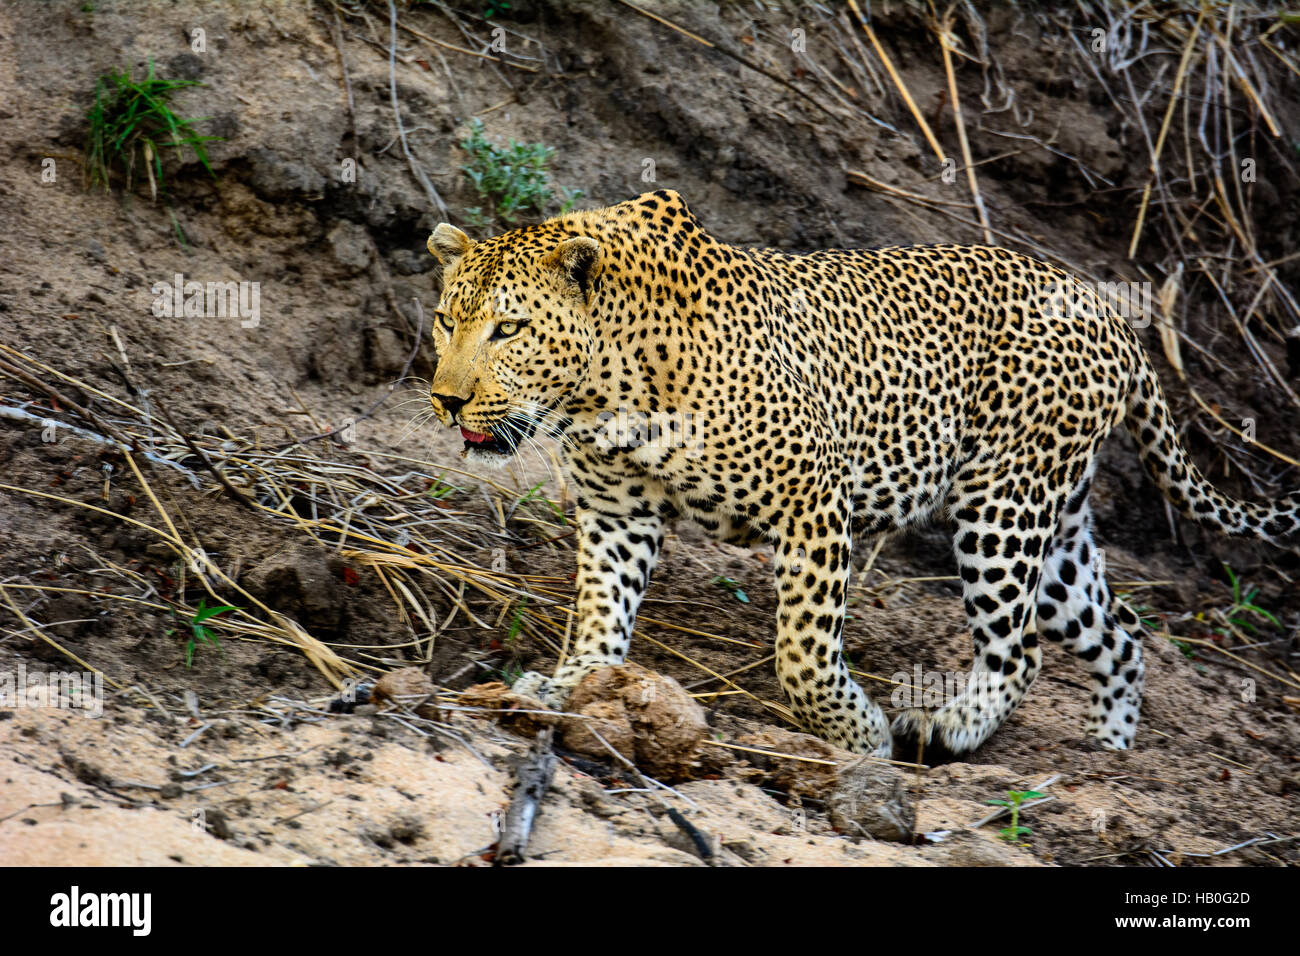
(811,401)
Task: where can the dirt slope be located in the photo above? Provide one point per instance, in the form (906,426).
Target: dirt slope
(242,741)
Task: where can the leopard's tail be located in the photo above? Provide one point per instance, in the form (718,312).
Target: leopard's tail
(1149,422)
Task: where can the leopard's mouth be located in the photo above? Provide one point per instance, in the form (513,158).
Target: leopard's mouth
(506,436)
(484,442)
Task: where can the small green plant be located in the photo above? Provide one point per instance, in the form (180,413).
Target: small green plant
(474,216)
(516,622)
(733,586)
(511,670)
(1237,617)
(1014,800)
(511,673)
(200,632)
(512,179)
(534,495)
(440,489)
(131,123)
(494,7)
(1146,614)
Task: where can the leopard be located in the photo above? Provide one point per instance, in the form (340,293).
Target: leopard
(815,402)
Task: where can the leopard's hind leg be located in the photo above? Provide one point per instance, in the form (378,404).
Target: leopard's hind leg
(1004,527)
(1077,610)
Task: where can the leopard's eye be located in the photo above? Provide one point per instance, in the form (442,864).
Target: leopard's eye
(505,329)
(447,322)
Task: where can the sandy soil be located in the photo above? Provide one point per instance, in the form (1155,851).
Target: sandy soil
(237,759)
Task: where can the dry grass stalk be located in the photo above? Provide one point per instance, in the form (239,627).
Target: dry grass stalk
(1164,130)
(898,83)
(946,41)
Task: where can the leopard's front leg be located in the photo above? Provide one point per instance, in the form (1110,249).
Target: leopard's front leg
(616,554)
(812,580)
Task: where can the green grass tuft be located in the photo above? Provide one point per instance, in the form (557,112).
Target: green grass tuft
(131,123)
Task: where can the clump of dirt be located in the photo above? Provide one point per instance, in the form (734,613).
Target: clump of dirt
(516,712)
(863,796)
(314,200)
(641,714)
(808,767)
(410,686)
(872,800)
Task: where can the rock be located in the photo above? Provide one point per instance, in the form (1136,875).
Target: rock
(384,352)
(215,822)
(746,850)
(802,778)
(184,66)
(859,792)
(873,796)
(300,581)
(970,849)
(410,686)
(351,246)
(647,717)
(410,262)
(277,179)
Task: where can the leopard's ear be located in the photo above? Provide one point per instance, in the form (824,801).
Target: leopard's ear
(447,244)
(580,260)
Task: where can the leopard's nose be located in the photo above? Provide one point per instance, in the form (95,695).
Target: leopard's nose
(451,403)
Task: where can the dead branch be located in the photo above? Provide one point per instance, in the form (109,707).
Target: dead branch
(533,777)
(417,170)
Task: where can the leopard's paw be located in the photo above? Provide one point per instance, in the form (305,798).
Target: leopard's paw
(918,737)
(542,688)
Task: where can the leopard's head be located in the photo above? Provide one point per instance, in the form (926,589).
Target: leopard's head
(513,332)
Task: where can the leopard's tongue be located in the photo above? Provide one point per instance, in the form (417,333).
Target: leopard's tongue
(474,437)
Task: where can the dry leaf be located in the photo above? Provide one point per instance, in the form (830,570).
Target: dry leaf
(1168,333)
(148,168)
